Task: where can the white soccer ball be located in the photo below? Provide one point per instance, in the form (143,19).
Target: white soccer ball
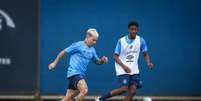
(147,99)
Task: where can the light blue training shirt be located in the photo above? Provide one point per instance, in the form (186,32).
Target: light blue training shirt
(80,56)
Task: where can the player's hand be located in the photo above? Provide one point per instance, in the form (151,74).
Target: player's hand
(127,70)
(104,59)
(150,65)
(52,65)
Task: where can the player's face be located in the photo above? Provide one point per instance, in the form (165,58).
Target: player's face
(132,30)
(92,40)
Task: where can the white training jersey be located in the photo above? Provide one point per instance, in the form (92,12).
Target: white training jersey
(129,51)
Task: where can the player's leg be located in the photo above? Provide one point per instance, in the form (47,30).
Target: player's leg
(72,88)
(83,89)
(131,93)
(135,83)
(123,79)
(70,94)
(124,83)
(112,93)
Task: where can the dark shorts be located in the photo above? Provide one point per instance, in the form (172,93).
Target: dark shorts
(128,80)
(73,81)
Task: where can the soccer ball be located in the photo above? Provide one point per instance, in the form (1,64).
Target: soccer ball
(147,99)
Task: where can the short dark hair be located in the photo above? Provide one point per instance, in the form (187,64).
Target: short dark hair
(133,23)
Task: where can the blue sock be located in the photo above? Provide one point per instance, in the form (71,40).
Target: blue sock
(104,97)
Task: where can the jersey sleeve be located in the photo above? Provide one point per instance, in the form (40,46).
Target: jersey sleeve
(143,46)
(72,48)
(95,57)
(118,48)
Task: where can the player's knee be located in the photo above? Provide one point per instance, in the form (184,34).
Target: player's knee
(84,92)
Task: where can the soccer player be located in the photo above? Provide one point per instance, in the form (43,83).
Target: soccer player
(81,53)
(126,56)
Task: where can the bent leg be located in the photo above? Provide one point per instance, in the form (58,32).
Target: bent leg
(83,89)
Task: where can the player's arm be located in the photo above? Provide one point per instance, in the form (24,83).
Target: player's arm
(99,61)
(58,58)
(147,60)
(69,50)
(145,53)
(117,60)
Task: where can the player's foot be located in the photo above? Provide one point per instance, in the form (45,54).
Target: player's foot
(97,98)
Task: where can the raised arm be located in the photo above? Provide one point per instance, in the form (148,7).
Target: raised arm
(57,59)
(71,49)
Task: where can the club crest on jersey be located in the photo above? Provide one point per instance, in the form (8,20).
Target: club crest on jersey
(137,46)
(87,54)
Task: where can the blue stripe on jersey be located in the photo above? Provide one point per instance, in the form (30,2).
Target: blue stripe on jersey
(118,48)
(143,46)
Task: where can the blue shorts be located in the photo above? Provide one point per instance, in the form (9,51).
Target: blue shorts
(73,81)
(128,80)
